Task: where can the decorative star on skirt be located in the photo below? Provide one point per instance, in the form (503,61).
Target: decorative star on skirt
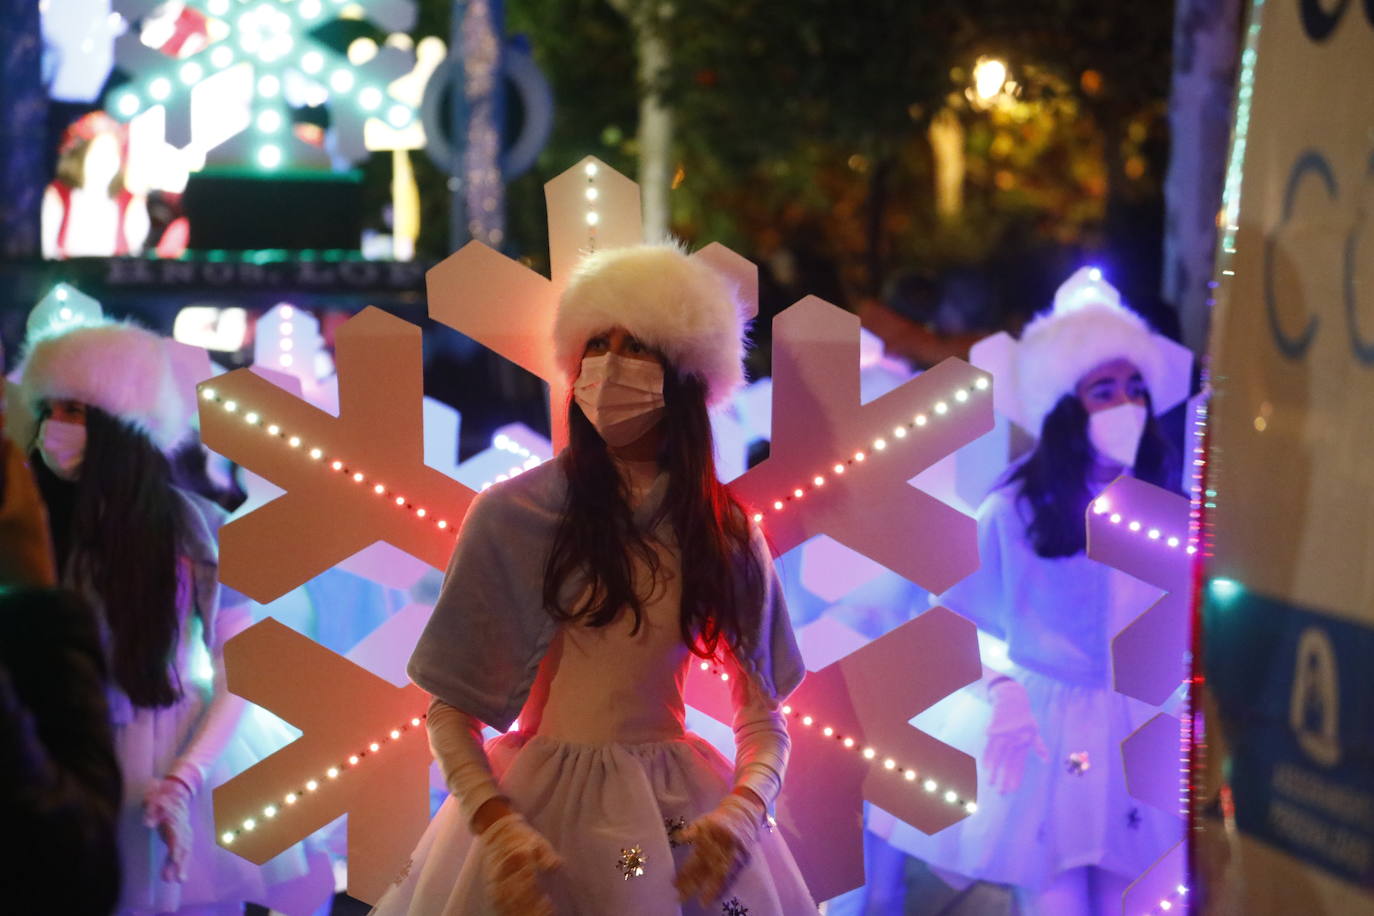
(733,907)
(631,862)
(674,825)
(1078,763)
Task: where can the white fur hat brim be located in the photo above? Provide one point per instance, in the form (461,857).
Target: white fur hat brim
(121,369)
(1087,327)
(668,301)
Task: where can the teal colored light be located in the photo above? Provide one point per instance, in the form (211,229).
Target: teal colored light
(191,73)
(398,115)
(370,98)
(269,121)
(269,156)
(128,104)
(222,56)
(160,88)
(1223,589)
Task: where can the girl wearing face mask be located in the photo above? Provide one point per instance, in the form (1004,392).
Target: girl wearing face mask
(1054,817)
(577,597)
(144,554)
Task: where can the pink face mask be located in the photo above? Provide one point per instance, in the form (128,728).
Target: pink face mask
(623,398)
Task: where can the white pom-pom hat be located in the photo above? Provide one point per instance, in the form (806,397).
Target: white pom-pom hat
(670,302)
(120,368)
(1087,326)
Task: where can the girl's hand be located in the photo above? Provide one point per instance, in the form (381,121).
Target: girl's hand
(167,807)
(513,856)
(722,842)
(1012,734)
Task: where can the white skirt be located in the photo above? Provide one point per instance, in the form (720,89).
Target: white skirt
(591,802)
(1062,816)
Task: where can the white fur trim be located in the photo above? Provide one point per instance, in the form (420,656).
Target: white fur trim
(1087,327)
(669,301)
(122,369)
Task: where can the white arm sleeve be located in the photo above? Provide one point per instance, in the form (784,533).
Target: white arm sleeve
(456,740)
(761,741)
(224,711)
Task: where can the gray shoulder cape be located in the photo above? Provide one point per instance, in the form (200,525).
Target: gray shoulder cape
(489,631)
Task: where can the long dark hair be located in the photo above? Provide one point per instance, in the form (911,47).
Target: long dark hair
(1054,478)
(120,522)
(597,537)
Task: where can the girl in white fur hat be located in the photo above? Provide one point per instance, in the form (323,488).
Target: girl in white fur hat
(1054,818)
(144,554)
(577,596)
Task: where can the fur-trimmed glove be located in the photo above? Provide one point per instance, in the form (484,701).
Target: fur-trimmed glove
(513,856)
(722,842)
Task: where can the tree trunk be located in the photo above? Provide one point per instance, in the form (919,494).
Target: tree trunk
(1206,45)
(947,152)
(654,136)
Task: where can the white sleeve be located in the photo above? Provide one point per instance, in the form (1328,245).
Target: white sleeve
(225,710)
(456,740)
(761,742)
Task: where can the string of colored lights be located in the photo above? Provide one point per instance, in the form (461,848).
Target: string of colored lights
(591,193)
(890,764)
(338,465)
(880,444)
(331,773)
(1102,505)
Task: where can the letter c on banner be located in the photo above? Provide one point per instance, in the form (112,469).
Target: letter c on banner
(1293,347)
(1363,351)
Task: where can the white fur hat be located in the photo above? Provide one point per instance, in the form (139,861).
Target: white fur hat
(671,302)
(122,369)
(1086,327)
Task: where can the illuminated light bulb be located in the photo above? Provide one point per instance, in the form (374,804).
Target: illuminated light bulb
(400,500)
(358,477)
(859,456)
(961,395)
(249,824)
(1134,526)
(798,493)
(420,513)
(593,194)
(941,407)
(294,442)
(336,465)
(910,775)
(889,764)
(395,734)
(971,807)
(287,313)
(1100,506)
(191,72)
(374,747)
(951,796)
(269,86)
(332,772)
(398,115)
(930,785)
(848,742)
(231,406)
(1165,905)
(286,343)
(208,394)
(311,786)
(1154,534)
(312,62)
(593,218)
(222,56)
(370,98)
(590,169)
(777,504)
(879,444)
(920,419)
(1192,549)
(1181,889)
(900,432)
(818,480)
(839,469)
(160,88)
(443,524)
(269,157)
(274,430)
(415,721)
(316,454)
(869,753)
(341,80)
(758,516)
(227,837)
(1116,518)
(828,731)
(1172,542)
(725,677)
(379,489)
(807,720)
(981,384)
(309,9)
(291,798)
(285,359)
(128,104)
(286,328)
(270,811)
(353,760)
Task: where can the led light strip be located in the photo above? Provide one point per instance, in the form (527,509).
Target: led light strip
(1167,904)
(338,465)
(270,810)
(880,444)
(285,343)
(507,444)
(910,774)
(591,193)
(1102,505)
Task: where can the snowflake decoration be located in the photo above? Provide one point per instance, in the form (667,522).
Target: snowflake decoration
(733,907)
(1078,763)
(631,862)
(674,825)
(249,64)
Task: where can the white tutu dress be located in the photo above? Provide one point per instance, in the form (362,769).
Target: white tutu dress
(600,763)
(1058,617)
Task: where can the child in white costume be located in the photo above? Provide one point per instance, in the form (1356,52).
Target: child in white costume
(1054,817)
(144,554)
(575,599)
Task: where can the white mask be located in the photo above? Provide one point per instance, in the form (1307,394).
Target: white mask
(62,446)
(1116,431)
(623,398)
